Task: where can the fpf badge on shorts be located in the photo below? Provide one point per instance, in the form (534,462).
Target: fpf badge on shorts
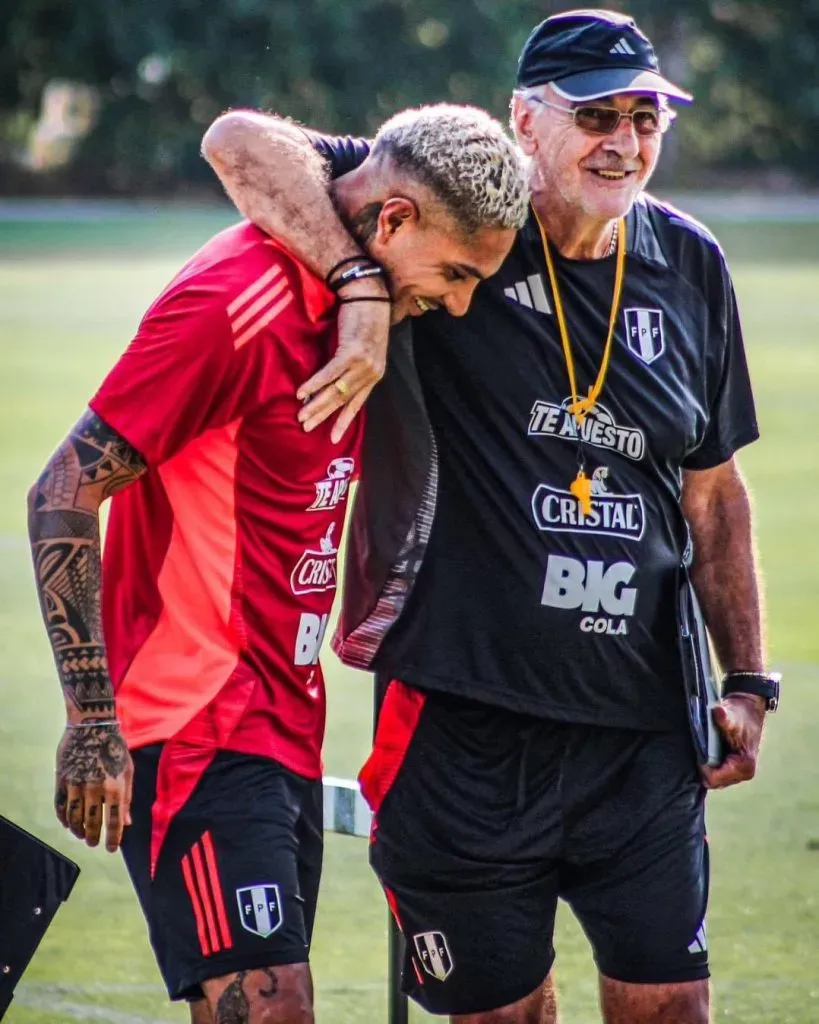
(260,909)
(433,953)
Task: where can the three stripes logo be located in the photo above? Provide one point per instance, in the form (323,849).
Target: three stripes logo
(699,944)
(622,46)
(258,305)
(205,891)
(530,293)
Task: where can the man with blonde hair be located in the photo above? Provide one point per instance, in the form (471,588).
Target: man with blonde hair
(204,692)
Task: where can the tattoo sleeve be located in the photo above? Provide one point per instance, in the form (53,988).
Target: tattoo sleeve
(724,572)
(92,463)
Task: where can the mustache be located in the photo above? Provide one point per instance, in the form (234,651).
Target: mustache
(614,165)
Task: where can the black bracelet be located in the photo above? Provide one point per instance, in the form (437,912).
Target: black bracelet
(343,263)
(364,298)
(92,724)
(361,271)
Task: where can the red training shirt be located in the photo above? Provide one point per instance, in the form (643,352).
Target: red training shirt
(219,567)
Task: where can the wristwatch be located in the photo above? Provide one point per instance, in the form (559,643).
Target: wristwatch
(760,684)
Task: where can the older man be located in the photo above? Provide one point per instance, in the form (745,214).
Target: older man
(522,588)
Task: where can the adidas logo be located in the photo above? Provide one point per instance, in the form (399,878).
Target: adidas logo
(699,944)
(530,293)
(622,47)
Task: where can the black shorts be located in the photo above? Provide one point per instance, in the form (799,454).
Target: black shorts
(484,818)
(237,877)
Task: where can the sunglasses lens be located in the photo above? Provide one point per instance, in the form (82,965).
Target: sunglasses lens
(603,120)
(646,122)
(600,120)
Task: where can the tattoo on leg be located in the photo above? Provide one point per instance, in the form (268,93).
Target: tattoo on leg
(269,993)
(233,1006)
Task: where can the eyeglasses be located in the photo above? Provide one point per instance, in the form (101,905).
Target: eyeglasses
(604,120)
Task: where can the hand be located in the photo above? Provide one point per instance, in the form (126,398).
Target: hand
(359,363)
(94,770)
(740,718)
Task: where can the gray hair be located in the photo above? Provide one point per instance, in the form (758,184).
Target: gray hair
(529,92)
(467,160)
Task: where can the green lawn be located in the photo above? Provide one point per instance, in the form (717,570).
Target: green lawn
(70,296)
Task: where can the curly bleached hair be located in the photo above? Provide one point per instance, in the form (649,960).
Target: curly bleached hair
(465,157)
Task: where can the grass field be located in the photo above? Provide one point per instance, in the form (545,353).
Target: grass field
(70,296)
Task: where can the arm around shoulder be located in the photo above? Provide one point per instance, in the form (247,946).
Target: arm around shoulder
(276,179)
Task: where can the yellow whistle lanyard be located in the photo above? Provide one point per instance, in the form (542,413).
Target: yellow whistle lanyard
(581,407)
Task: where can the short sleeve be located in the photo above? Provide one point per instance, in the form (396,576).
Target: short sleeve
(341,153)
(732,416)
(180,376)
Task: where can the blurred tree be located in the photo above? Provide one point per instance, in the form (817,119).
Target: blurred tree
(164,68)
(756,68)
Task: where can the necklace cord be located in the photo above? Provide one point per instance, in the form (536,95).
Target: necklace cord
(581,407)
(581,487)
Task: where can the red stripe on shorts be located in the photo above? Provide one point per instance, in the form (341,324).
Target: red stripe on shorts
(392,903)
(204,892)
(201,930)
(216,887)
(397,723)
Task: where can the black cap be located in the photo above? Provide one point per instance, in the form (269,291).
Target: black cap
(589,54)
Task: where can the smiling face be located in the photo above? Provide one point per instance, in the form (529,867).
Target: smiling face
(430,262)
(598,176)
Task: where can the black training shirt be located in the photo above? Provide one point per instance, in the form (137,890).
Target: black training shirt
(471,569)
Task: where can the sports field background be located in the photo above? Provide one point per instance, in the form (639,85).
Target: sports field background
(71,294)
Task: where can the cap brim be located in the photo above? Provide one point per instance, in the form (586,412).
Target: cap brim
(593,85)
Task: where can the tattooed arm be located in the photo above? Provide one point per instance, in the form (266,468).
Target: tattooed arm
(93,764)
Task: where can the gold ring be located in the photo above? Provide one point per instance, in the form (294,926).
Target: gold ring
(342,387)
